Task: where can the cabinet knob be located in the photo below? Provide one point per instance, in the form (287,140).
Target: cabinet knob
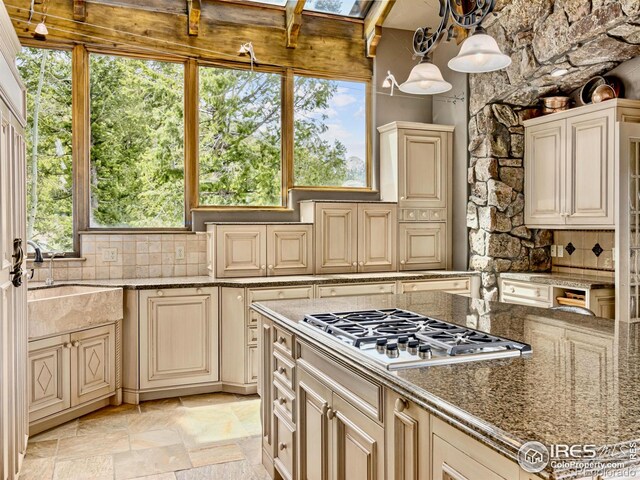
(280,294)
(401,405)
(331,413)
(402,262)
(537,293)
(282,446)
(75,343)
(414,287)
(270,267)
(262,267)
(512,289)
(361,264)
(401,198)
(355,264)
(160,293)
(282,371)
(281,340)
(282,401)
(198,291)
(333,293)
(239,297)
(411,214)
(67,345)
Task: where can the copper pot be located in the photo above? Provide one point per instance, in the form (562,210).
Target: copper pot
(603,93)
(555,104)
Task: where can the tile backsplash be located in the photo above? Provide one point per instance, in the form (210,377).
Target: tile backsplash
(589,251)
(137,256)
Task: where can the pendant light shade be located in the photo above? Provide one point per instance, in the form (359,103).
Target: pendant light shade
(479,54)
(425,79)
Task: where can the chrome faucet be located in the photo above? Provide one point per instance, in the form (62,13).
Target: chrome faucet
(52,255)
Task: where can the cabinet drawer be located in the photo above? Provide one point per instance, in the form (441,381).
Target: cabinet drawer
(283,400)
(285,446)
(453,285)
(284,369)
(283,340)
(424,215)
(526,291)
(293,293)
(355,289)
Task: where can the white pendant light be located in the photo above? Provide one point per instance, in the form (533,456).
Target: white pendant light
(479,54)
(425,79)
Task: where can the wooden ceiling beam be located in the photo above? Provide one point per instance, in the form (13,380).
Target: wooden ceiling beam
(373,24)
(293,21)
(79,10)
(193,13)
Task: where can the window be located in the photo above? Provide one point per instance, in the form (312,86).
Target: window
(348,8)
(47,76)
(240,161)
(330,137)
(137,143)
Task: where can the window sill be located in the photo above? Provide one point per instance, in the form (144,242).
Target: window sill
(212,208)
(137,231)
(58,259)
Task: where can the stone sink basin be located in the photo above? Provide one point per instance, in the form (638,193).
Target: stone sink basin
(66,308)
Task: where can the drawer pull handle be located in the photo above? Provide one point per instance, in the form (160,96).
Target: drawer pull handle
(282,446)
(401,405)
(160,293)
(331,413)
(282,371)
(282,401)
(281,340)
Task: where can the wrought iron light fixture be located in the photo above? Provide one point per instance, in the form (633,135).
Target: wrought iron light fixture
(479,53)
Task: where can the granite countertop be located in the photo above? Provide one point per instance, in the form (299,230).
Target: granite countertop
(557,395)
(257,223)
(345,201)
(563,279)
(206,281)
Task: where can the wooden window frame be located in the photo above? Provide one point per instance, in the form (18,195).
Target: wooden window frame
(81,134)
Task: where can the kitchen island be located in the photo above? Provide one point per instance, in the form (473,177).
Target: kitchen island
(331,412)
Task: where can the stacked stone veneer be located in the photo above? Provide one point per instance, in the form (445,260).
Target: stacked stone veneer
(587,37)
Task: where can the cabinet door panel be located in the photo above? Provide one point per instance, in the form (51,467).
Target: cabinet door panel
(544,174)
(376,238)
(423,246)
(178,337)
(423,169)
(240,250)
(358,444)
(590,169)
(93,364)
(265,381)
(449,463)
(49,391)
(313,403)
(285,451)
(289,249)
(336,238)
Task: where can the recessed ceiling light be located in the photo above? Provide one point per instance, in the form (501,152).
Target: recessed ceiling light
(558,72)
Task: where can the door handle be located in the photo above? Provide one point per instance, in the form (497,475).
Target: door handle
(18,257)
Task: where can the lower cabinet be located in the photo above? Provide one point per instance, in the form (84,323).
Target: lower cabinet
(462,286)
(70,370)
(178,337)
(423,246)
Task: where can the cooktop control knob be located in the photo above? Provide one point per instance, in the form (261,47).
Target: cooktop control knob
(381,344)
(412,347)
(402,343)
(424,352)
(392,350)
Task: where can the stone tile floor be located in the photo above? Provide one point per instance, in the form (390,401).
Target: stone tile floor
(211,436)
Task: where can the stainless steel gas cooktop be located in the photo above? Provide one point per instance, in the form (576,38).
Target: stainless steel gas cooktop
(399,339)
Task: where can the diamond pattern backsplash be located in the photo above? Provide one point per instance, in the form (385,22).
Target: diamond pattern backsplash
(570,248)
(597,250)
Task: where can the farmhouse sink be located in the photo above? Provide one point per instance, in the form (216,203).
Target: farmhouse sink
(66,308)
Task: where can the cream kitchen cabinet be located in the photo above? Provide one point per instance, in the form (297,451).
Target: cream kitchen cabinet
(178,337)
(352,237)
(423,246)
(570,166)
(467,286)
(257,250)
(355,289)
(69,371)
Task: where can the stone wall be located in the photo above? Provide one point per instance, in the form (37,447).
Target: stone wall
(587,37)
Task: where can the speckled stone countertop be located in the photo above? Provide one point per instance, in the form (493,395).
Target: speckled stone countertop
(557,395)
(205,281)
(563,279)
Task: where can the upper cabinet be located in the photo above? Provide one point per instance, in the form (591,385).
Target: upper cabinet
(570,164)
(259,250)
(353,237)
(416,172)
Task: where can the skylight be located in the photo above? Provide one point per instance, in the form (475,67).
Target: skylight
(347,8)
(279,3)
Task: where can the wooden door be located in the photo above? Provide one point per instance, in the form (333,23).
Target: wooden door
(49,368)
(289,249)
(358,443)
(241,250)
(423,169)
(423,246)
(407,437)
(336,237)
(178,337)
(313,426)
(377,232)
(544,168)
(93,364)
(590,169)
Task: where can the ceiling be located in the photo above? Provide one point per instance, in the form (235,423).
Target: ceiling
(412,14)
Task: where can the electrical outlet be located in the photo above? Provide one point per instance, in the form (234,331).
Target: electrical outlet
(560,251)
(109,254)
(179,252)
(554,251)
